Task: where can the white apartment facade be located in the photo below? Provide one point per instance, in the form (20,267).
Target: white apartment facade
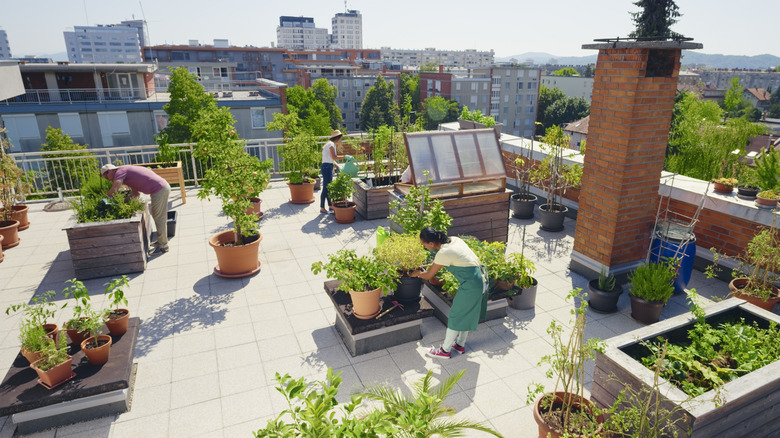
(571,86)
(104,44)
(449,59)
(347,30)
(300,33)
(5,47)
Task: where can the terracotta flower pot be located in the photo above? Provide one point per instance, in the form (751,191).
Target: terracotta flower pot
(503,285)
(52,331)
(365,304)
(301,193)
(255,208)
(56,376)
(723,188)
(235,261)
(344,212)
(579,403)
(76,336)
(100,354)
(20,214)
(117,321)
(10,232)
(31,356)
(736,285)
(2,256)
(765,202)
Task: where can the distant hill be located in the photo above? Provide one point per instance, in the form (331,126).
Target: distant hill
(690,57)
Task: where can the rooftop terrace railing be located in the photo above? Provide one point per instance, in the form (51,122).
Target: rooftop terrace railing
(78,95)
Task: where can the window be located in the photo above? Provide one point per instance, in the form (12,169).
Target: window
(530,99)
(506,110)
(519,85)
(160,120)
(473,99)
(23,132)
(357,82)
(457,86)
(100,44)
(114,44)
(473,86)
(358,93)
(258,117)
(493,107)
(506,98)
(531,109)
(346,105)
(496,81)
(86,43)
(114,128)
(495,94)
(485,86)
(520,73)
(531,85)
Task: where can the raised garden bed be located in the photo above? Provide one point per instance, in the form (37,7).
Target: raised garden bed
(373,202)
(752,402)
(441,302)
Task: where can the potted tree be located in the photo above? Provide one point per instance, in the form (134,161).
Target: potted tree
(234,177)
(407,255)
(54,365)
(555,176)
(10,178)
(366,278)
(299,153)
(604,292)
(565,411)
(523,201)
(340,191)
(34,323)
(652,284)
(388,154)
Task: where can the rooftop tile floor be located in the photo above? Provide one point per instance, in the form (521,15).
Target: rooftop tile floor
(208,347)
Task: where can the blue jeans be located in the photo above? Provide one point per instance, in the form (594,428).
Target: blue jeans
(327,176)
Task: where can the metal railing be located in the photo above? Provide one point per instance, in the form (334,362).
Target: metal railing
(74,95)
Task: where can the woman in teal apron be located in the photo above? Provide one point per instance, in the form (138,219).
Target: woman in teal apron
(467,306)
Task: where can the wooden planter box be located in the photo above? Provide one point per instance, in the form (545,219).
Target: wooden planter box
(441,302)
(173,175)
(112,248)
(483,216)
(752,406)
(372,202)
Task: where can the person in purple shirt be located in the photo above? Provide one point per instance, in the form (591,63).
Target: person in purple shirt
(143,180)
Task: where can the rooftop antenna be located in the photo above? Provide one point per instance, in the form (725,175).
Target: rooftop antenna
(345,7)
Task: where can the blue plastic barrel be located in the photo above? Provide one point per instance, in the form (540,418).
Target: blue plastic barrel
(675,241)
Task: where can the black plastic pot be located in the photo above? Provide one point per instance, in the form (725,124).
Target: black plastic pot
(523,205)
(526,299)
(646,312)
(602,301)
(748,192)
(408,289)
(552,220)
(173,215)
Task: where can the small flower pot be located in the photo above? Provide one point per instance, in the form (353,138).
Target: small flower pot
(526,299)
(117,321)
(97,355)
(408,290)
(76,337)
(723,188)
(602,301)
(56,376)
(365,304)
(747,193)
(646,312)
(765,202)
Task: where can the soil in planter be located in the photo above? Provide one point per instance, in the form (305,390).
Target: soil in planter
(117,314)
(247,240)
(383,181)
(553,417)
(100,343)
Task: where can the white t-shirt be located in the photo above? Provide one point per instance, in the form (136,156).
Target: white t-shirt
(326,156)
(456,253)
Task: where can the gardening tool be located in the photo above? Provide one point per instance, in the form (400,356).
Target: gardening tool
(350,166)
(395,304)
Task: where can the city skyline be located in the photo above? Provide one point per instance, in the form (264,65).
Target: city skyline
(508,28)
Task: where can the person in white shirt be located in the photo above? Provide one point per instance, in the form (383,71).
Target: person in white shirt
(329,157)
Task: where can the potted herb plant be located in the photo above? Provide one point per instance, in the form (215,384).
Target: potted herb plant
(116,317)
(604,292)
(366,278)
(54,365)
(34,322)
(725,184)
(555,177)
(651,287)
(10,177)
(565,411)
(407,255)
(340,192)
(418,211)
(88,323)
(234,177)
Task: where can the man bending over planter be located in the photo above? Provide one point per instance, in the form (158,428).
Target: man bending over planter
(143,180)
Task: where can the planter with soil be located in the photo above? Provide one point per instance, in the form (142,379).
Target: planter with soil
(372,196)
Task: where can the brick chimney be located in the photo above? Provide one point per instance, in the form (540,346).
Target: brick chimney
(630,115)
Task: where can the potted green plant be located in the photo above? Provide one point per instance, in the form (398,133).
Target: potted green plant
(10,177)
(234,177)
(555,177)
(89,321)
(565,411)
(514,271)
(477,120)
(299,153)
(418,211)
(54,365)
(407,255)
(365,278)
(340,191)
(725,184)
(652,284)
(34,323)
(604,292)
(117,317)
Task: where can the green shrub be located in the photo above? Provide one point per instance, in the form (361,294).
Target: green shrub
(91,207)
(654,281)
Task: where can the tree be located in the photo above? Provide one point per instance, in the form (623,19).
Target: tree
(655,20)
(774,98)
(589,72)
(188,102)
(66,174)
(566,71)
(429,67)
(379,106)
(313,114)
(555,108)
(733,96)
(437,109)
(327,95)
(410,97)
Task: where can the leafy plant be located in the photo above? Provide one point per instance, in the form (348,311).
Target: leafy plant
(32,336)
(567,368)
(420,211)
(52,353)
(477,116)
(769,194)
(552,174)
(606,282)
(66,170)
(85,318)
(91,205)
(358,273)
(768,170)
(167,154)
(41,309)
(298,154)
(450,284)
(516,269)
(386,141)
(654,281)
(340,189)
(10,179)
(115,291)
(403,251)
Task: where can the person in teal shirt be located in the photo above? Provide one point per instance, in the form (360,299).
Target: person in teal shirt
(466,308)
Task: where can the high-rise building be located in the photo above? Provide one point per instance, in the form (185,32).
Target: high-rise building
(301,34)
(449,59)
(5,48)
(347,30)
(102,44)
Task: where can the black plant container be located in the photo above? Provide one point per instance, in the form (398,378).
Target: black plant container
(748,192)
(408,290)
(552,220)
(523,205)
(603,301)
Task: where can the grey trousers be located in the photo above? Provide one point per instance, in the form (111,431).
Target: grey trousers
(159,206)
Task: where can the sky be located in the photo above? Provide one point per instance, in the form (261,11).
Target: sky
(508,27)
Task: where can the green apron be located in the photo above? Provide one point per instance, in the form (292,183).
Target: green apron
(470,303)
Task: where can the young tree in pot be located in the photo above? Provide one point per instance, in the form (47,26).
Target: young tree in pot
(33,325)
(117,319)
(299,153)
(523,201)
(652,284)
(10,179)
(364,277)
(604,292)
(407,255)
(566,411)
(555,177)
(340,191)
(54,365)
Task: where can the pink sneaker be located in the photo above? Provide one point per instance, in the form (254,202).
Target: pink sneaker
(438,353)
(458,348)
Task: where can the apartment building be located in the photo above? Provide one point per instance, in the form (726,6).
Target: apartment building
(347,30)
(5,47)
(300,33)
(106,44)
(721,78)
(571,86)
(449,59)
